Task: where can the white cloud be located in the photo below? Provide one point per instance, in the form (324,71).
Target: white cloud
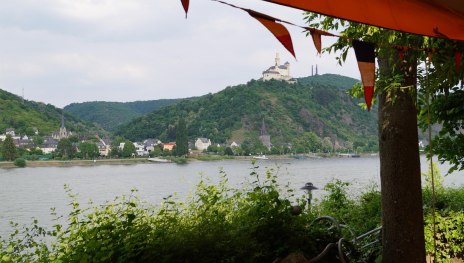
(63,51)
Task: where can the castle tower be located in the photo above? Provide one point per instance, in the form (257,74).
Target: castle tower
(287,65)
(277,60)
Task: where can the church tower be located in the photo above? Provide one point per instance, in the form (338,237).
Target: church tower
(277,60)
(63,132)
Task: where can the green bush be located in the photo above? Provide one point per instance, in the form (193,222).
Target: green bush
(217,223)
(449,236)
(20,162)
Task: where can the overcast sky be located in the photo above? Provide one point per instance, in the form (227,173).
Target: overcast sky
(64,51)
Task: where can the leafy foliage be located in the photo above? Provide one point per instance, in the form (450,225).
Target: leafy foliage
(181,138)
(65,149)
(9,149)
(449,236)
(128,150)
(109,115)
(88,150)
(289,110)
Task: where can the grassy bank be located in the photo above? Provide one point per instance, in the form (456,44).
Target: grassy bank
(67,163)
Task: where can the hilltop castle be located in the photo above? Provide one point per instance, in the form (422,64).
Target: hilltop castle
(278,72)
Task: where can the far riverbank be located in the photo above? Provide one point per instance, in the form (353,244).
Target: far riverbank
(69,163)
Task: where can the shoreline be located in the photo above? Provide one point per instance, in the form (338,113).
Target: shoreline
(70,163)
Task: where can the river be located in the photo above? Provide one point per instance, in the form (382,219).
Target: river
(31,192)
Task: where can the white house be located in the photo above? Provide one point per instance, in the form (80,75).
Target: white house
(140,149)
(49,145)
(121,146)
(10,131)
(202,143)
(103,148)
(150,144)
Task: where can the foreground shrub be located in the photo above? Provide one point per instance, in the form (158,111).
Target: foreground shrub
(449,236)
(20,162)
(216,224)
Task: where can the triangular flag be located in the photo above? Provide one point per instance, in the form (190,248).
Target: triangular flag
(278,30)
(365,55)
(457,58)
(317,40)
(185,4)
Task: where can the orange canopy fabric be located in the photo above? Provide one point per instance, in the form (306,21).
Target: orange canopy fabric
(436,18)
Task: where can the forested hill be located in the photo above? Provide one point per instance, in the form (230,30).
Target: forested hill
(25,115)
(109,115)
(319,105)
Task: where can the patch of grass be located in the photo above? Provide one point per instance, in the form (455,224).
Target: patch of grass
(213,157)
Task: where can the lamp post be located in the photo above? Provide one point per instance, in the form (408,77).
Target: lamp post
(309,187)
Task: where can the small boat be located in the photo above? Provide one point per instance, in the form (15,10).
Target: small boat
(260,157)
(159,160)
(349,155)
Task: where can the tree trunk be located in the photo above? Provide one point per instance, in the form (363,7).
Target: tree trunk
(402,216)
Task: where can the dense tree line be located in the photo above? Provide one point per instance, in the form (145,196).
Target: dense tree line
(110,115)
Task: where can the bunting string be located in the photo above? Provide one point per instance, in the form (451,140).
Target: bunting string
(325,33)
(364,51)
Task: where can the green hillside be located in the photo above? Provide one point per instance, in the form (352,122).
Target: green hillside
(109,115)
(333,80)
(319,105)
(24,116)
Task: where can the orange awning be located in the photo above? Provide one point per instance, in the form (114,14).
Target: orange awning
(436,18)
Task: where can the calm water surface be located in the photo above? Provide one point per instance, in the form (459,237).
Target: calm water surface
(31,192)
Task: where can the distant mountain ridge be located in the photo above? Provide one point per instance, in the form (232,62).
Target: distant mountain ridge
(110,115)
(25,115)
(318,104)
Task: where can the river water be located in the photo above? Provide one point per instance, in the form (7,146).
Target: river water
(31,192)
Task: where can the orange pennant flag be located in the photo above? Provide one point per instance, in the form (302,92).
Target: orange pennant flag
(185,4)
(365,54)
(278,30)
(317,41)
(317,34)
(317,37)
